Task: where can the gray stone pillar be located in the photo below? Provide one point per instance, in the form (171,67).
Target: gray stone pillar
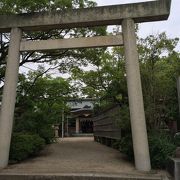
(178,90)
(138,124)
(9,96)
(56,130)
(77,125)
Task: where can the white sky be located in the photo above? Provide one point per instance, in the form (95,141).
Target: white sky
(171,26)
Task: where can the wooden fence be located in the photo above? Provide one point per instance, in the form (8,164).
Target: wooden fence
(106,124)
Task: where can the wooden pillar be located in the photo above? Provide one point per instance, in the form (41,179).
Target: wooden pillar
(67,126)
(77,125)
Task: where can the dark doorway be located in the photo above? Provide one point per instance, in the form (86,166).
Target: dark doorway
(86,126)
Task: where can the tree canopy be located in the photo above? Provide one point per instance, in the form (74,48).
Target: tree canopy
(63,60)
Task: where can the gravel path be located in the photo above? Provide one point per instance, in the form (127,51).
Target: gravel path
(74,155)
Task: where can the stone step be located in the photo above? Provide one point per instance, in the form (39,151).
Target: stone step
(78,177)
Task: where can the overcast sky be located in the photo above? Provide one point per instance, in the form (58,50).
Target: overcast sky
(171,26)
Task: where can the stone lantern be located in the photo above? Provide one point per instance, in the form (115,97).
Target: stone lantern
(56,130)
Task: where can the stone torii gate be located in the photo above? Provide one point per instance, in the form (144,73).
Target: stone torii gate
(126,15)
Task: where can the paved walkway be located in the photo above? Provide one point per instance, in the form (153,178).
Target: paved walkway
(74,155)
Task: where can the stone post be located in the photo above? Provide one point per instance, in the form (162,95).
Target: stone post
(9,96)
(56,130)
(178,90)
(137,115)
(77,125)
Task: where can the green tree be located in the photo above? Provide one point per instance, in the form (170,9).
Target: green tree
(40,103)
(63,60)
(107,79)
(160,67)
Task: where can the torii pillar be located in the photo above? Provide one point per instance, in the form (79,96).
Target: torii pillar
(9,96)
(136,106)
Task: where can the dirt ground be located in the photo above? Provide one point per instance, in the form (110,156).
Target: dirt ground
(75,155)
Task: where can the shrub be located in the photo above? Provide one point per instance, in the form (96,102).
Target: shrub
(35,123)
(126,146)
(25,145)
(47,134)
(115,143)
(161,147)
(177,139)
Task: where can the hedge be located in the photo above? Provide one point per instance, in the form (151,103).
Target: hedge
(25,145)
(161,147)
